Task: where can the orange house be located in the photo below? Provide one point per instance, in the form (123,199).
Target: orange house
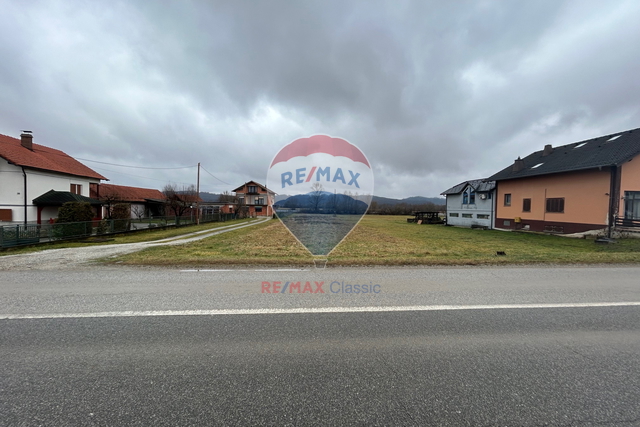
(256,198)
(587,185)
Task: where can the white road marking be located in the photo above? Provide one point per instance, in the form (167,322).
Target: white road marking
(269,269)
(311,310)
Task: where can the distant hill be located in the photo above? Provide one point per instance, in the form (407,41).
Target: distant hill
(209,197)
(326,202)
(415,200)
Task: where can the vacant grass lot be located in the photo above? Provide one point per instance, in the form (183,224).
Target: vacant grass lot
(390,240)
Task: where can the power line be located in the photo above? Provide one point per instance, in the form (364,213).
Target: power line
(202,167)
(138,176)
(135,167)
(63,154)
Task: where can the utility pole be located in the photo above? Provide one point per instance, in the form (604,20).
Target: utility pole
(198,197)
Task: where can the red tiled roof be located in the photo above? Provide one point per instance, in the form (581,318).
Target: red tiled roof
(129,194)
(43,158)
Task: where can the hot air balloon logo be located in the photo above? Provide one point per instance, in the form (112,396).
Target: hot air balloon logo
(325,186)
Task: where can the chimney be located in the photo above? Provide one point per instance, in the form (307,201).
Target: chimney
(26,139)
(548,149)
(518,165)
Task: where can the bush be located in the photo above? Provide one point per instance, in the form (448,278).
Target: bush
(103,227)
(75,212)
(74,220)
(121,216)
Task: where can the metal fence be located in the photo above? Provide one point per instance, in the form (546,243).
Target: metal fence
(29,234)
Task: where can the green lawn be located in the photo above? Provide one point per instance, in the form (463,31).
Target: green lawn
(390,240)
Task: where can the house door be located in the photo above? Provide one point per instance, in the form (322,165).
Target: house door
(632,205)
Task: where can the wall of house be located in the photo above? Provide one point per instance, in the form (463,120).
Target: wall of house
(11,190)
(38,183)
(251,199)
(629,180)
(480,207)
(585,193)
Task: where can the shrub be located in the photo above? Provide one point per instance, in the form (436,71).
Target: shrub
(75,212)
(74,220)
(121,216)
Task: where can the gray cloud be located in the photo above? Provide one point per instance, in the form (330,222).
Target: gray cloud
(433,92)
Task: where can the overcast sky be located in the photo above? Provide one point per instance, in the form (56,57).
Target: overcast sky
(433,92)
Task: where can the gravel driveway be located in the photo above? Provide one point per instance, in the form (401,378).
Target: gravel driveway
(54,259)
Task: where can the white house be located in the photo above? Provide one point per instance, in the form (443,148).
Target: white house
(471,204)
(28,171)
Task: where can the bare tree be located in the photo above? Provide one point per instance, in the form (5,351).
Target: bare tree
(227,198)
(242,210)
(179,201)
(138,211)
(109,200)
(317,191)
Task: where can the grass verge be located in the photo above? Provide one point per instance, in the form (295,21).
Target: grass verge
(135,237)
(389,240)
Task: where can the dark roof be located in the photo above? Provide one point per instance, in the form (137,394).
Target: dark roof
(613,149)
(480,185)
(58,198)
(210,197)
(43,158)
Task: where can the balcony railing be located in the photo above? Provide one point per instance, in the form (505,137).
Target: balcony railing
(627,223)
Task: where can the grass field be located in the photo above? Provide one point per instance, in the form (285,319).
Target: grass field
(390,240)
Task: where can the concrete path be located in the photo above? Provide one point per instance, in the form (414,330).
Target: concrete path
(74,257)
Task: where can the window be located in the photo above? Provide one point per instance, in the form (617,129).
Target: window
(454,214)
(469,196)
(555,205)
(260,201)
(632,205)
(467,215)
(252,189)
(76,189)
(482,216)
(507,199)
(506,222)
(526,205)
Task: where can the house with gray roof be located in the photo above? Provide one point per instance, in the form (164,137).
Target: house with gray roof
(587,185)
(471,204)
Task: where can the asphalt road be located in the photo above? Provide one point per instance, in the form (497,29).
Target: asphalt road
(462,346)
